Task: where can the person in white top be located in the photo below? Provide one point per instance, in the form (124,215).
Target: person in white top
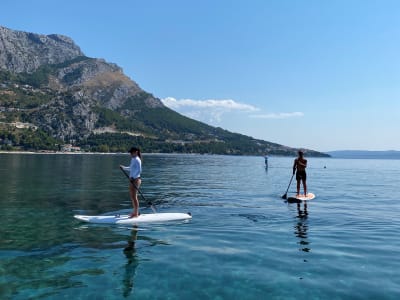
(135,169)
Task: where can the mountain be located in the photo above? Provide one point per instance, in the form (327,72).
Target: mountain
(52,94)
(389,154)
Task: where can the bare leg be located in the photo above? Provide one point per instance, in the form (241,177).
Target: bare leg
(134,197)
(298,187)
(305,187)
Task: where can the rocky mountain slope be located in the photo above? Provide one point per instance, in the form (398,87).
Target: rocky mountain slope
(26,52)
(52,94)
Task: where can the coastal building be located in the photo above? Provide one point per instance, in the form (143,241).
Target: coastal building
(70,148)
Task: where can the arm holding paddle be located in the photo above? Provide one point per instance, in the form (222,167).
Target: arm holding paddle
(124,168)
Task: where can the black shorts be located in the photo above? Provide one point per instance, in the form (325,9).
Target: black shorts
(301,175)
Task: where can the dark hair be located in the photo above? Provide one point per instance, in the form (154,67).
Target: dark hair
(301,153)
(135,149)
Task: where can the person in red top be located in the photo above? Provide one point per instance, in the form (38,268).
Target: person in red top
(300,164)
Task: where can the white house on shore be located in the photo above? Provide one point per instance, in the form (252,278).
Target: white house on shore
(70,148)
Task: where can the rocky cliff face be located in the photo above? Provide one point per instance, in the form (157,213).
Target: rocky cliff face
(80,86)
(26,52)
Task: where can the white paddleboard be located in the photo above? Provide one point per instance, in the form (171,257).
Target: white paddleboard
(143,218)
(300,198)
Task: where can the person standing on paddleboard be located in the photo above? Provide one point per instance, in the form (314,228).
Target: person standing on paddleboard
(135,168)
(300,164)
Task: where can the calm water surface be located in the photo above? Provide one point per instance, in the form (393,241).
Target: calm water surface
(244,241)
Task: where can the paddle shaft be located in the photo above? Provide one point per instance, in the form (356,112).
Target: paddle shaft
(140,192)
(290,182)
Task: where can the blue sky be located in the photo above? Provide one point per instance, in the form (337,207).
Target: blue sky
(322,75)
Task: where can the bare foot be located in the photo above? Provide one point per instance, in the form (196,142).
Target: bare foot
(133,215)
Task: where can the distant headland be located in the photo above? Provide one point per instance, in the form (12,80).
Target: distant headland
(389,154)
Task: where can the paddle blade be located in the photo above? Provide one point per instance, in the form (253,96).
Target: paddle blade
(284,196)
(153,208)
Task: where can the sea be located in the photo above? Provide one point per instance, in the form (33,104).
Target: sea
(243,242)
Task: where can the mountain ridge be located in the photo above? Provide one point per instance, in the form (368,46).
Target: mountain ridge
(63,96)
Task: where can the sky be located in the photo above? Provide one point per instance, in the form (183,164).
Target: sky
(321,75)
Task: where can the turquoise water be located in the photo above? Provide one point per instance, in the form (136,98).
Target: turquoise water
(244,241)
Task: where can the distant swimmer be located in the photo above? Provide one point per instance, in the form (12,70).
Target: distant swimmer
(299,166)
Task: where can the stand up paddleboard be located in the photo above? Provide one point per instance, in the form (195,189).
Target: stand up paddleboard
(300,198)
(143,218)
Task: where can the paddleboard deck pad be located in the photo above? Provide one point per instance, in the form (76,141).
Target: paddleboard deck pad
(143,218)
(300,198)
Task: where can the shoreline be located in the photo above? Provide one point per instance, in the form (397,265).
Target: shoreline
(122,153)
(60,153)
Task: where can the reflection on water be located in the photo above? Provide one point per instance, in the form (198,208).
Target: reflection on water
(132,255)
(301,226)
(132,263)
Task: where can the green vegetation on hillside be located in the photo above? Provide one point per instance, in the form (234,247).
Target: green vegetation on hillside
(26,139)
(115,142)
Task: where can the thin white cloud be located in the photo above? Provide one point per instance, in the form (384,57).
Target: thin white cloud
(211,111)
(278,115)
(225,104)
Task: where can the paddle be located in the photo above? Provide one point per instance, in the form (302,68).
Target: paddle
(140,192)
(285,195)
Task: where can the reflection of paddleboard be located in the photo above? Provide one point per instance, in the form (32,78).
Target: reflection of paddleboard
(300,198)
(143,218)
